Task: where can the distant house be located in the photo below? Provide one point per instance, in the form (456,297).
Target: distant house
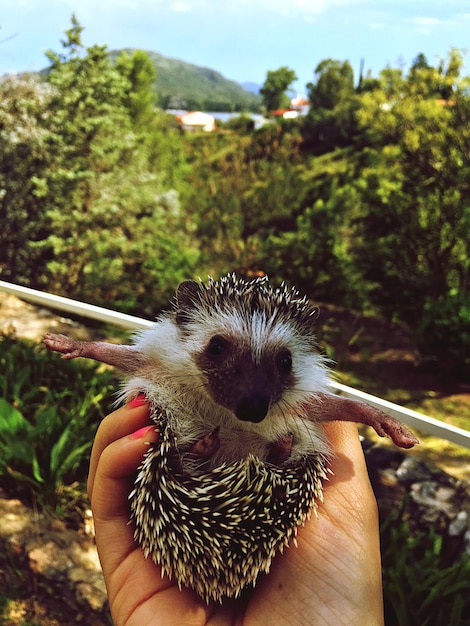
(287,114)
(300,104)
(196,120)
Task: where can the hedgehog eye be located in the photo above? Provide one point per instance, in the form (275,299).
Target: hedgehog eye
(284,362)
(217,345)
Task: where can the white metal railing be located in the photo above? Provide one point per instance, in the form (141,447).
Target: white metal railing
(423,423)
(74,306)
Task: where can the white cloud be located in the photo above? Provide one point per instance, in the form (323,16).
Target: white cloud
(426,21)
(425,25)
(180,7)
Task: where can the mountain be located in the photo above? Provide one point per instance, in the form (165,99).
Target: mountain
(251,87)
(182,85)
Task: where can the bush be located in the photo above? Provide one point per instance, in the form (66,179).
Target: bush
(445,331)
(242,124)
(421,586)
(48,417)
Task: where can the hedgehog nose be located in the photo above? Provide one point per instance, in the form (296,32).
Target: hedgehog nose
(252,408)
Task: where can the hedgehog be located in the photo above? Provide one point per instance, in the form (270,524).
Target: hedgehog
(238,391)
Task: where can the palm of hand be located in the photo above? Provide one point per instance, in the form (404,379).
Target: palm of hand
(332,577)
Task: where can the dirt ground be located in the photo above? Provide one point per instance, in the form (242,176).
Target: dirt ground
(27,321)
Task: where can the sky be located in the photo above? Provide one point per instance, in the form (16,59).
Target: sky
(243,39)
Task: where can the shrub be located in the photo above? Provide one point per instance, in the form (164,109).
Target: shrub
(242,124)
(421,586)
(48,417)
(444,331)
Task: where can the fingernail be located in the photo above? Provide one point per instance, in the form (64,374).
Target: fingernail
(139,434)
(139,400)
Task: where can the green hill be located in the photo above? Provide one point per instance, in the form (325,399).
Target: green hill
(182,85)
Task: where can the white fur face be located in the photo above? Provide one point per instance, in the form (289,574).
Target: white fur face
(205,383)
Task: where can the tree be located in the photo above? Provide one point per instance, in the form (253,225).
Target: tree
(334,83)
(411,236)
(24,159)
(275,86)
(426,81)
(331,122)
(420,62)
(140,98)
(87,202)
(90,133)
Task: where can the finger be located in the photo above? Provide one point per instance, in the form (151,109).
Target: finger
(126,420)
(109,495)
(130,577)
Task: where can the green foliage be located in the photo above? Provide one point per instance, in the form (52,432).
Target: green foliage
(240,192)
(24,159)
(256,214)
(274,88)
(381,226)
(425,81)
(365,202)
(412,226)
(312,253)
(242,124)
(444,330)
(421,584)
(334,84)
(48,416)
(140,97)
(331,121)
(86,230)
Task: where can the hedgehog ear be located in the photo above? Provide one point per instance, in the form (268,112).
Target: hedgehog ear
(187,296)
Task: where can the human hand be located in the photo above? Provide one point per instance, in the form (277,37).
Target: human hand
(332,577)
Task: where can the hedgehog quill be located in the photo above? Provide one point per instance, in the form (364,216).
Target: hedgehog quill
(238,392)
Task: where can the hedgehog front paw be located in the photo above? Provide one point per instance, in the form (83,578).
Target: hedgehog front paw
(279,451)
(208,445)
(70,348)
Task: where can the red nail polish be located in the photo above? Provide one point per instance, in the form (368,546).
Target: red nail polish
(139,400)
(139,434)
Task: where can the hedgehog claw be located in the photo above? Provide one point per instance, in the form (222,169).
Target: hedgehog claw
(70,348)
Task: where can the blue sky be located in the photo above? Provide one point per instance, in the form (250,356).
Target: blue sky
(242,39)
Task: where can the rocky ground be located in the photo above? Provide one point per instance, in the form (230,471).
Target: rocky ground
(52,571)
